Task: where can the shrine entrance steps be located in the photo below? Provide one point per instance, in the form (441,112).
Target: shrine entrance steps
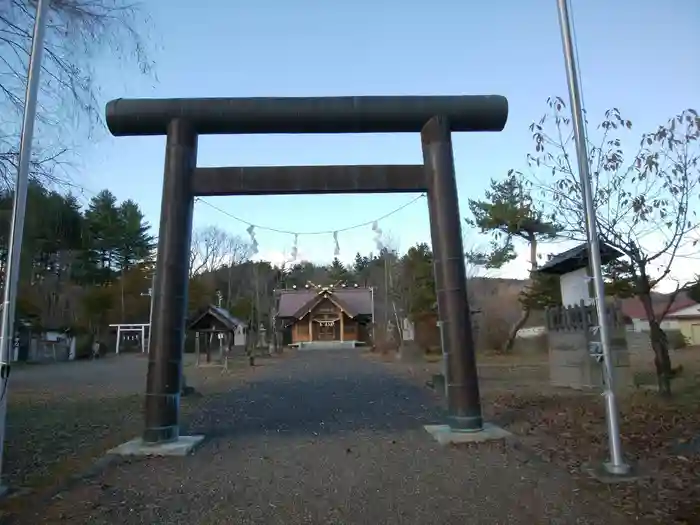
(327,345)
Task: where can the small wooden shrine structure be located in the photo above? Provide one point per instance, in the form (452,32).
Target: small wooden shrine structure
(215,333)
(572,268)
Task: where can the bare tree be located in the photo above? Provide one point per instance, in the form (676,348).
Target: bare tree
(646,204)
(390,241)
(78,34)
(214,248)
(392,297)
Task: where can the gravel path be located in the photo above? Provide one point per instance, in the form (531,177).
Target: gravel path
(327,438)
(123,374)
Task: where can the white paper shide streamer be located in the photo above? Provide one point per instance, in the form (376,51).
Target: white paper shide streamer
(253,240)
(377,236)
(294,253)
(295,247)
(336,249)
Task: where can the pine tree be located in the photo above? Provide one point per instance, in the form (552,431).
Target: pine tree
(418,281)
(103,227)
(338,272)
(508,212)
(135,244)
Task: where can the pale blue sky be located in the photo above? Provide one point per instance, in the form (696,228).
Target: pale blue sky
(638,55)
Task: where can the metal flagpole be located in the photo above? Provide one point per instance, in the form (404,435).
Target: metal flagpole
(19,209)
(150,308)
(617,464)
(371,291)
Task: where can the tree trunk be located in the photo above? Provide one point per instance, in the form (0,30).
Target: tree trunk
(229,303)
(122,295)
(525,314)
(510,343)
(662,360)
(659,345)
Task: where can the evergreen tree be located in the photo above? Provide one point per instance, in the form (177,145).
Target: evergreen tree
(58,235)
(338,272)
(361,268)
(418,281)
(300,274)
(135,244)
(507,213)
(103,225)
(52,232)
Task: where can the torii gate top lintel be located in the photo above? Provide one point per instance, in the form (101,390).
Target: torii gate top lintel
(367,114)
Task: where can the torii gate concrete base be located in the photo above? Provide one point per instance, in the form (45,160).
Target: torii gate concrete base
(183,446)
(445,435)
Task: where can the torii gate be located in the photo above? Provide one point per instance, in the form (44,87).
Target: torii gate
(183,120)
(132,328)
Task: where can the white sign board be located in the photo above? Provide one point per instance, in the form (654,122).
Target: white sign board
(575,288)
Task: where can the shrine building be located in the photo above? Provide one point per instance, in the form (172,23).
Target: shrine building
(322,314)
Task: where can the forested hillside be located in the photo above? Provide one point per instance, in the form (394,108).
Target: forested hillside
(81,267)
(84,267)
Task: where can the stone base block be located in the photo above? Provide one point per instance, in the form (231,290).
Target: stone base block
(445,435)
(410,352)
(184,446)
(605,474)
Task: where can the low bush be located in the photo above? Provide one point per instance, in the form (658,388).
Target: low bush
(83,346)
(676,339)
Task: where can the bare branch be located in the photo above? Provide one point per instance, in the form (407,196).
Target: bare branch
(213,248)
(645,204)
(651,196)
(78,34)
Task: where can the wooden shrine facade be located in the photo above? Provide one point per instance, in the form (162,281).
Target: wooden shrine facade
(326,314)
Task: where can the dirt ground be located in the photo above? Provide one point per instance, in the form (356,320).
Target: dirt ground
(567,427)
(123,374)
(62,417)
(325,437)
(112,375)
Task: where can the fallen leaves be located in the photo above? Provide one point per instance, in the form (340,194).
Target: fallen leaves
(569,429)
